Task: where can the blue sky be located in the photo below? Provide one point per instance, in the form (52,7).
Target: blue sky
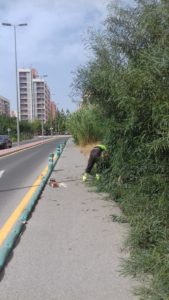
(52,42)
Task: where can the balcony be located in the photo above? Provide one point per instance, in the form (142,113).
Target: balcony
(23,88)
(23,85)
(23,101)
(40,90)
(23,106)
(22,94)
(23,97)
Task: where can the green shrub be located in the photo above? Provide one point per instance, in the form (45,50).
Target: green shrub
(86,125)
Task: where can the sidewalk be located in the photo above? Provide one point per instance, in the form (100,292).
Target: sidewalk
(70,250)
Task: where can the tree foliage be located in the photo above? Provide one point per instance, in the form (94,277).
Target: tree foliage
(30,129)
(7,123)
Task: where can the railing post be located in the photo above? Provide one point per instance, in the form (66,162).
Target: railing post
(58,150)
(61,147)
(50,161)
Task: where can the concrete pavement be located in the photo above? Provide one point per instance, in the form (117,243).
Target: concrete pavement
(70,249)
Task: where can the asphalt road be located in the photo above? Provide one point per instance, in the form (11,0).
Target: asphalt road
(35,139)
(18,172)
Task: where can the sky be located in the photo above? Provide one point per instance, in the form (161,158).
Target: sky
(52,42)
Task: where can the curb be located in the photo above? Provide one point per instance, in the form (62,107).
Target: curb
(10,240)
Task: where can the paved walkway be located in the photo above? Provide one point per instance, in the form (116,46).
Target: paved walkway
(70,250)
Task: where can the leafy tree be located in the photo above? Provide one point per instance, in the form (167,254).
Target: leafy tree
(26,130)
(7,122)
(60,122)
(37,127)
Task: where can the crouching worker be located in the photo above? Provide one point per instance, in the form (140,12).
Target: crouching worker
(95,154)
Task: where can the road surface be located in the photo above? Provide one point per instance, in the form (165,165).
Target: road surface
(18,172)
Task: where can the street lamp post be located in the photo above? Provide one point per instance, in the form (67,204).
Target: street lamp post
(8,129)
(58,127)
(42,130)
(16,71)
(51,130)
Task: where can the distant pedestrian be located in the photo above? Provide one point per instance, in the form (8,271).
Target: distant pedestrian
(95,154)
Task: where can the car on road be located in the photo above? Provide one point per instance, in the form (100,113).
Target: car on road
(5,142)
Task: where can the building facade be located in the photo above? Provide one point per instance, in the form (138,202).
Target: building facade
(4,106)
(34,96)
(53,110)
(13,114)
(41,99)
(25,94)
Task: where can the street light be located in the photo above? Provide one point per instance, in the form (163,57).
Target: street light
(8,129)
(51,130)
(16,68)
(58,116)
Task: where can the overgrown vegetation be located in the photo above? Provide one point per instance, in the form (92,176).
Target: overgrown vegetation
(86,125)
(128,81)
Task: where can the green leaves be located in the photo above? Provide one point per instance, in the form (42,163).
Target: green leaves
(86,125)
(127,79)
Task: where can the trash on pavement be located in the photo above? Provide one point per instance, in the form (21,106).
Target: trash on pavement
(53,183)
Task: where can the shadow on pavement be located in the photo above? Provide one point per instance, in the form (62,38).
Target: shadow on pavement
(18,188)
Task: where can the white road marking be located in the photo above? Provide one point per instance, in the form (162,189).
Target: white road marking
(1,173)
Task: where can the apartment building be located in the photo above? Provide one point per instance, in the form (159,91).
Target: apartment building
(4,106)
(41,99)
(34,96)
(25,94)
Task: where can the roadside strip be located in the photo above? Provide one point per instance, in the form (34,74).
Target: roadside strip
(15,223)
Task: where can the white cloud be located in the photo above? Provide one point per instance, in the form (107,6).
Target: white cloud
(52,41)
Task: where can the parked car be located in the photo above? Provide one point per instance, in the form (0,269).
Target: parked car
(5,142)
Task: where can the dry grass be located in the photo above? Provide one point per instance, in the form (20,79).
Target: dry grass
(87,148)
